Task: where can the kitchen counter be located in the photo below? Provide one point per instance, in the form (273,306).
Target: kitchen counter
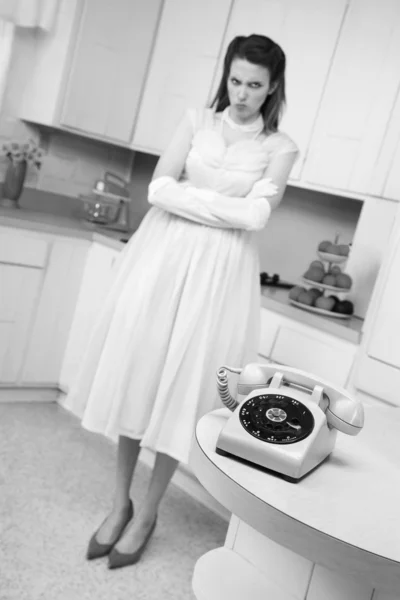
(70,226)
(277,299)
(335,534)
(56,224)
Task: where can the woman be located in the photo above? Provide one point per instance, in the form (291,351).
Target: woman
(186,295)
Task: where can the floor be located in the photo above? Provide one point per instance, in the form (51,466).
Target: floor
(56,481)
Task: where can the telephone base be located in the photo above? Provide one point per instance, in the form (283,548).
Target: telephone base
(265,469)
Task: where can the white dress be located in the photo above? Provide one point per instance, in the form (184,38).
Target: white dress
(185,300)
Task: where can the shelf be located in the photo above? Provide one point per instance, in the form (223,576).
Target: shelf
(323,286)
(319,311)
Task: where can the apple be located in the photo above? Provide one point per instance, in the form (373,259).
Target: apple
(344,281)
(344,307)
(316,293)
(295,292)
(322,247)
(315,274)
(335,269)
(333,249)
(344,249)
(325,302)
(317,263)
(306,298)
(330,280)
(335,299)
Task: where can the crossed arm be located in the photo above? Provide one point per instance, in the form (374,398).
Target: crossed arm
(211,208)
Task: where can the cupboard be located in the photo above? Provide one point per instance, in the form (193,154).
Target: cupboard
(125,73)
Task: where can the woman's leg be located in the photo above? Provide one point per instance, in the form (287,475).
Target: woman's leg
(137,530)
(127,455)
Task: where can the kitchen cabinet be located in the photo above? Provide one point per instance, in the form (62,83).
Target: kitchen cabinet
(287,342)
(96,281)
(386,174)
(182,68)
(108,69)
(377,368)
(38,97)
(353,135)
(54,312)
(87,74)
(22,264)
(308,32)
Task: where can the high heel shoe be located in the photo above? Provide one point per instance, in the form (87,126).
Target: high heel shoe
(97,550)
(117,560)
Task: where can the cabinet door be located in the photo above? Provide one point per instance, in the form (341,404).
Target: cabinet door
(317,353)
(19,291)
(53,317)
(378,368)
(307,31)
(22,261)
(182,68)
(96,280)
(109,66)
(386,175)
(358,100)
(37,81)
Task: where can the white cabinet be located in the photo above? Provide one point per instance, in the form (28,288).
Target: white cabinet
(377,370)
(182,68)
(96,281)
(108,67)
(386,174)
(37,98)
(54,312)
(307,31)
(87,74)
(351,128)
(290,343)
(22,263)
(51,290)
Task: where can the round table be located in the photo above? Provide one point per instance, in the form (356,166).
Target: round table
(334,535)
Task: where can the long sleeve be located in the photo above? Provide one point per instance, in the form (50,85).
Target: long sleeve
(211,208)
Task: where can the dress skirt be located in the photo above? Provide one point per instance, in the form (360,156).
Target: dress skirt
(185,299)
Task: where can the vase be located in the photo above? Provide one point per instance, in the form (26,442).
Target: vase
(13,183)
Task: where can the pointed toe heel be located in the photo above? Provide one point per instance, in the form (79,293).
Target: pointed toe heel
(117,560)
(97,550)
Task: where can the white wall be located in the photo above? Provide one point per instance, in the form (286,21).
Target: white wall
(302,220)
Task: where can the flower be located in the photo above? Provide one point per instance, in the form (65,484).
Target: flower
(19,151)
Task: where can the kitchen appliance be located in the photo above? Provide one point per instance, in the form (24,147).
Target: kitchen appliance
(108,204)
(288,421)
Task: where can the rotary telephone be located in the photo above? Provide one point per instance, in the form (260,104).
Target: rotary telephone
(288,421)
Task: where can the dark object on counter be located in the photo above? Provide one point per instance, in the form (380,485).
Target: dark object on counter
(344,307)
(274,281)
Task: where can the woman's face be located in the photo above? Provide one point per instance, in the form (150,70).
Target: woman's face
(248,86)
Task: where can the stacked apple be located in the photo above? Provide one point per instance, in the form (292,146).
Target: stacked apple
(332,248)
(331,276)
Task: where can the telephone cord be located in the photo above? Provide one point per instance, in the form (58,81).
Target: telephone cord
(223,386)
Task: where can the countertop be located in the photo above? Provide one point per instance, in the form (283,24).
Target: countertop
(70,226)
(344,515)
(59,224)
(277,299)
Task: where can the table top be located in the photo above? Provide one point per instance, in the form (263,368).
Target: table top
(344,515)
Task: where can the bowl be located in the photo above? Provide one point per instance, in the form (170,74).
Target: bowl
(332,258)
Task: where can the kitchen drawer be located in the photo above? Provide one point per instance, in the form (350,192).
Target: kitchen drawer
(20,249)
(318,353)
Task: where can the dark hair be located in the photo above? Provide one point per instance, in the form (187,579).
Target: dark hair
(259,50)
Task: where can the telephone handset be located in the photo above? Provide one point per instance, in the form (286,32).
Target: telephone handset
(288,421)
